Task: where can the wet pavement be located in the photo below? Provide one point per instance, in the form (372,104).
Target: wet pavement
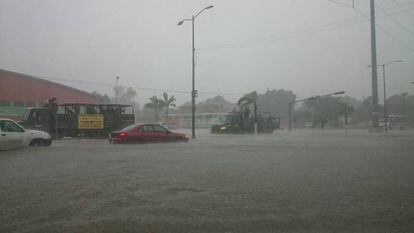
(304,181)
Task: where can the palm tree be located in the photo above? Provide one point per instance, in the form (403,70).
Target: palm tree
(167,103)
(246,101)
(156,104)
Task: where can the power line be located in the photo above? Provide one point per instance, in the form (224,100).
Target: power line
(223,93)
(286,34)
(395,20)
(389,15)
(110,85)
(284,37)
(162,90)
(77,81)
(139,87)
(402,7)
(386,32)
(300,33)
(341,3)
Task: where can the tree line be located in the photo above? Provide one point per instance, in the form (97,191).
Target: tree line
(322,111)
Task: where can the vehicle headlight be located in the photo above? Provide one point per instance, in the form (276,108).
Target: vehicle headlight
(223,128)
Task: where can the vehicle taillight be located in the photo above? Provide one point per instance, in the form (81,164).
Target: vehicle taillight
(122,135)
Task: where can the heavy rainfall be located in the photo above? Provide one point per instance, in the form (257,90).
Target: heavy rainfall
(207,116)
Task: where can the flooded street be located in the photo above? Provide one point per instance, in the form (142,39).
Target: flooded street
(306,181)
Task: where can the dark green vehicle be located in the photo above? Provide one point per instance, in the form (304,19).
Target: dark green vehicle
(235,123)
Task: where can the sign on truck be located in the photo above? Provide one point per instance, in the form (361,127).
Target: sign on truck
(91,121)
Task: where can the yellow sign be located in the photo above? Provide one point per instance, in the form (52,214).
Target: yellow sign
(90,121)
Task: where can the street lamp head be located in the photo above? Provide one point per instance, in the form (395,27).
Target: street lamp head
(209,7)
(180,23)
(339,93)
(392,62)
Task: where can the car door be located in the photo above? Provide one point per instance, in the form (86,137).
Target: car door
(11,134)
(162,133)
(146,134)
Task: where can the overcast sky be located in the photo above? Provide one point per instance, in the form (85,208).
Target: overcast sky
(241,45)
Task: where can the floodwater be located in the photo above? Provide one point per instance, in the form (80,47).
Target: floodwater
(305,181)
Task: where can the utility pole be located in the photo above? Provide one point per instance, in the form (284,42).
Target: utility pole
(116,90)
(375,116)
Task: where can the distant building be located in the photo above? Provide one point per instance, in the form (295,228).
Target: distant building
(19,91)
(208,112)
(214,105)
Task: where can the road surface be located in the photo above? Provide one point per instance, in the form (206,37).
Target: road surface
(305,181)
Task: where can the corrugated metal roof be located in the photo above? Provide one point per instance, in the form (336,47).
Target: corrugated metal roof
(20,75)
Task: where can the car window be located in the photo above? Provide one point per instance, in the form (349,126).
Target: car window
(9,126)
(37,117)
(159,129)
(146,128)
(129,127)
(61,110)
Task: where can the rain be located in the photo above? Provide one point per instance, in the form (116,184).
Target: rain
(206,116)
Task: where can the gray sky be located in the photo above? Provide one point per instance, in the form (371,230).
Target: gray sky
(96,40)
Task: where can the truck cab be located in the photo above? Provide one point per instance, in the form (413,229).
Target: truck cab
(34,118)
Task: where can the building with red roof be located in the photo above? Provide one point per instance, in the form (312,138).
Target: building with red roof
(19,91)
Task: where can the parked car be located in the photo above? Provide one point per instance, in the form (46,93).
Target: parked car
(144,133)
(13,135)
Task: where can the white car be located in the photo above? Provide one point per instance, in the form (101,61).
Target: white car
(13,135)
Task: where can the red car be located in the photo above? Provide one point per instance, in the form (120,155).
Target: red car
(142,133)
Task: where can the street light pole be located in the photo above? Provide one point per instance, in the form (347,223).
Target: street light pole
(385,95)
(117,90)
(193,91)
(385,101)
(290,116)
(193,85)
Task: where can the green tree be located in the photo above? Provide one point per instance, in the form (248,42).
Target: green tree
(276,101)
(104,99)
(157,105)
(398,104)
(351,101)
(402,104)
(126,95)
(167,102)
(326,109)
(362,113)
